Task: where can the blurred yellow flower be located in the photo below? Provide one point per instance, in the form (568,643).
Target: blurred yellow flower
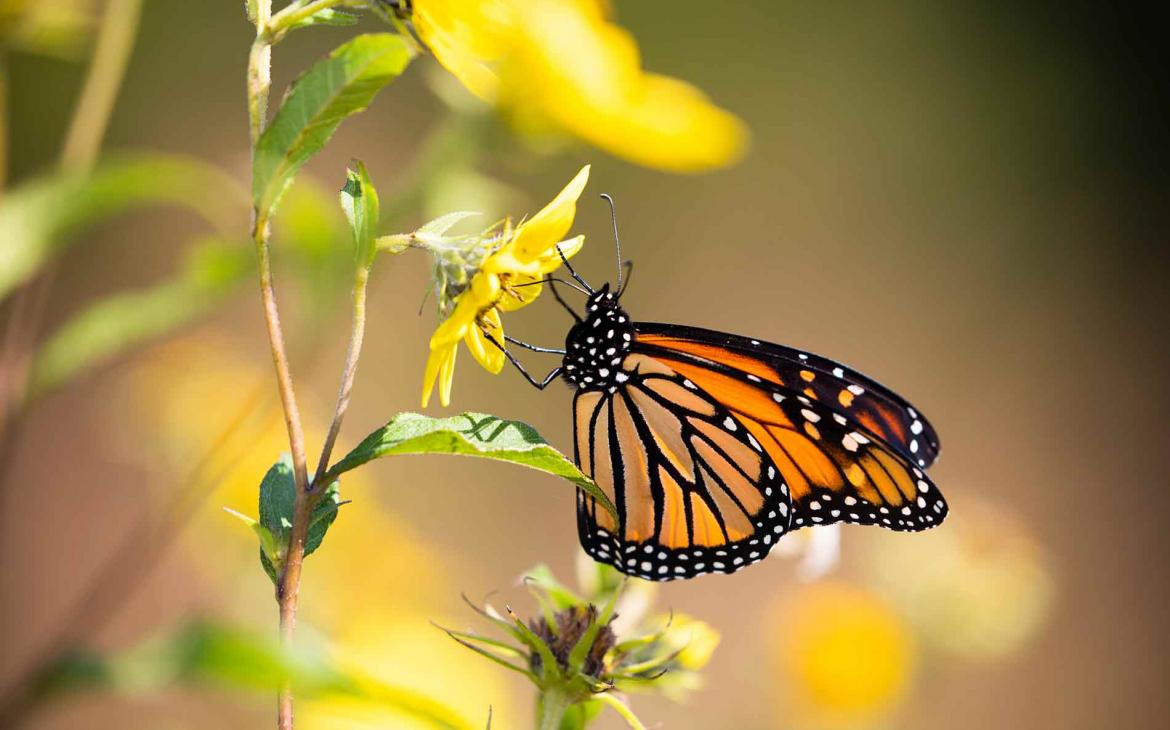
(694,640)
(561,65)
(979,589)
(845,655)
(406,651)
(508,278)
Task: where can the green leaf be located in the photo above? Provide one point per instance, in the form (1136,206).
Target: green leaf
(359,200)
(213,653)
(38,218)
(471,434)
(444,223)
(328,16)
(121,321)
(336,87)
(278,492)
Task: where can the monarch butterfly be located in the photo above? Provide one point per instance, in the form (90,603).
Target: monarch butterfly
(713,446)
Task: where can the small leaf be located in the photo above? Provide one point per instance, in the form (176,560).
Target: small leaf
(269,548)
(38,218)
(277,501)
(444,223)
(472,434)
(121,321)
(336,87)
(359,200)
(328,16)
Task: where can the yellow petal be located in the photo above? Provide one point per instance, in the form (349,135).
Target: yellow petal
(465,37)
(446,376)
(485,288)
(600,93)
(455,326)
(551,261)
(483,350)
(535,235)
(521,291)
(437,364)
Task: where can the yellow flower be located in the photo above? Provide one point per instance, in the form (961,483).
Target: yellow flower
(694,640)
(561,65)
(507,279)
(846,656)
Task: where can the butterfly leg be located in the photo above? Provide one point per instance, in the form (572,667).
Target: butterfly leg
(534,348)
(557,294)
(538,384)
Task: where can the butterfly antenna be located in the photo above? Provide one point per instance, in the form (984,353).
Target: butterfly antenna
(617,243)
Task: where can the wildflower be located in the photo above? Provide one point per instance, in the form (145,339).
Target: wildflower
(480,277)
(560,65)
(574,654)
(845,653)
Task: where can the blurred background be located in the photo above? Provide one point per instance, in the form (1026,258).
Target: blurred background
(967,203)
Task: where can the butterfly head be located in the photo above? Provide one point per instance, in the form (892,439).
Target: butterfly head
(596,345)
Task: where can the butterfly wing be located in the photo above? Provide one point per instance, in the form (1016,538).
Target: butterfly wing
(695,492)
(880,411)
(856,459)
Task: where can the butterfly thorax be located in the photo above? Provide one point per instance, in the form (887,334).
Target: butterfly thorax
(596,346)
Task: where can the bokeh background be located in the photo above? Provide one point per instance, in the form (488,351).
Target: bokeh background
(968,202)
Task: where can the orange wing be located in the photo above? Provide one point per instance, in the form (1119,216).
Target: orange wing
(694,490)
(844,459)
(878,410)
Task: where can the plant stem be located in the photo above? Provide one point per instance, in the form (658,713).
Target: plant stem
(296,12)
(356,335)
(622,709)
(110,58)
(289,586)
(551,705)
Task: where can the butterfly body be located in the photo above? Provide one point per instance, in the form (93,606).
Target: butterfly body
(713,446)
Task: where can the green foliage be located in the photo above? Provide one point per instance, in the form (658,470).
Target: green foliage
(359,200)
(126,319)
(217,654)
(336,87)
(328,16)
(471,434)
(278,492)
(38,218)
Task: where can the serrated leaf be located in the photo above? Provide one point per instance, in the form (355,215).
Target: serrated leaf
(471,434)
(38,218)
(334,88)
(121,321)
(359,200)
(278,492)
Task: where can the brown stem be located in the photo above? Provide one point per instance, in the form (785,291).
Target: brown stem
(289,586)
(356,335)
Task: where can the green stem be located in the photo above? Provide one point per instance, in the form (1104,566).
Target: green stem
(622,709)
(289,586)
(356,335)
(551,705)
(297,12)
(110,58)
